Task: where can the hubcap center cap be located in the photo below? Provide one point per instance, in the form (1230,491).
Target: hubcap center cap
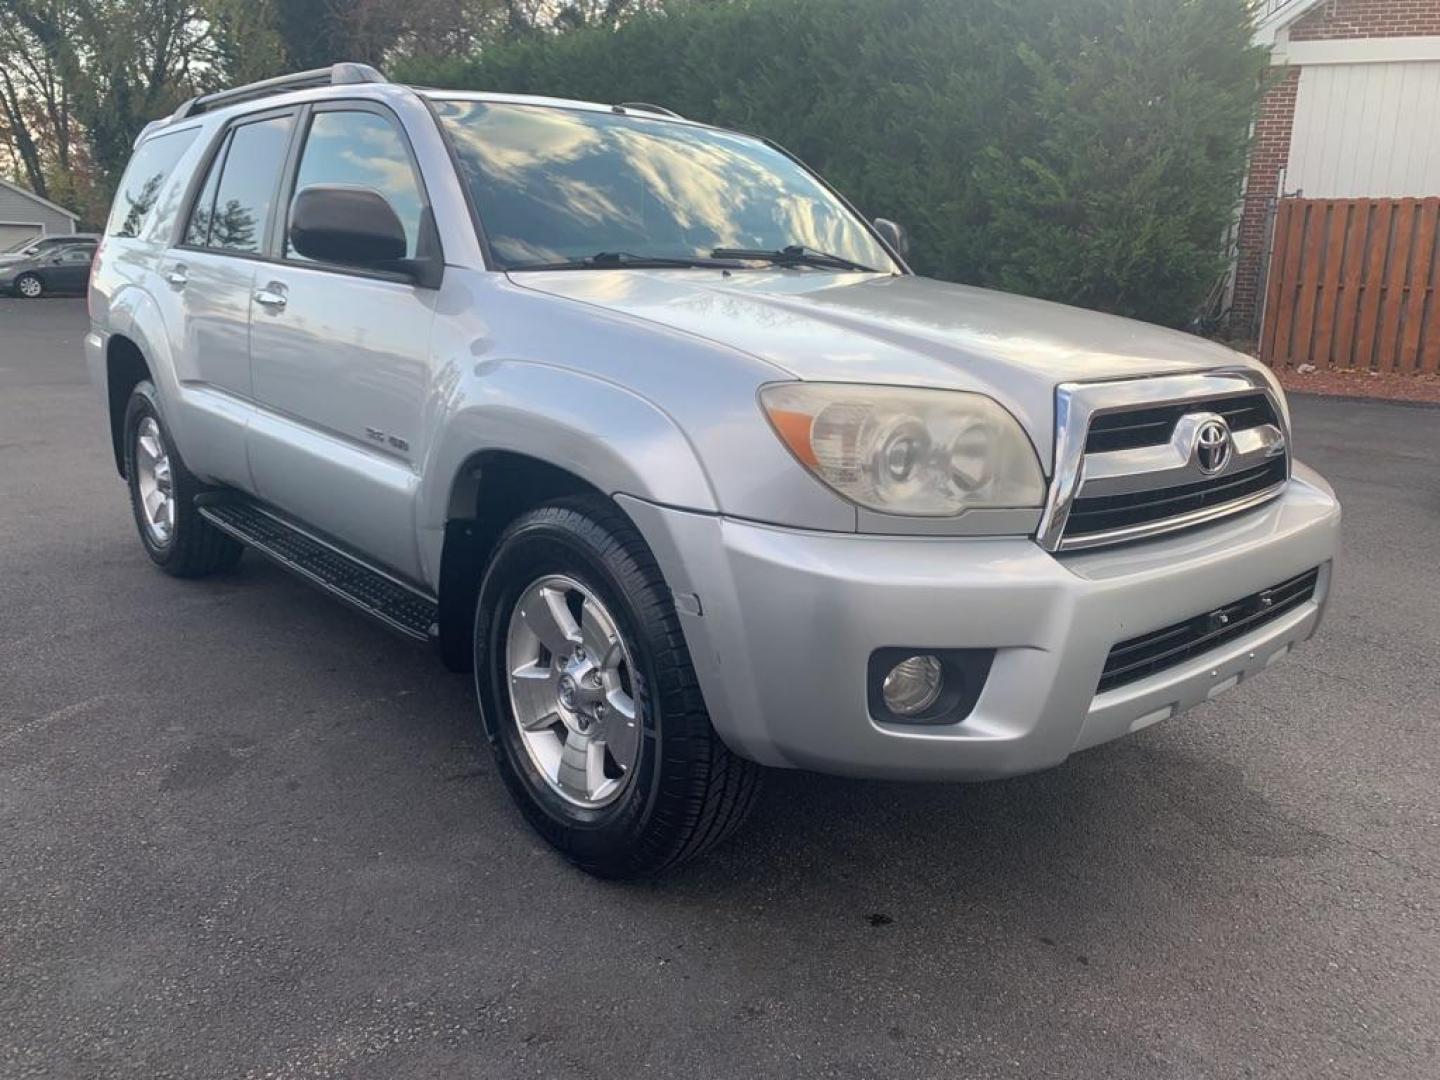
(569,692)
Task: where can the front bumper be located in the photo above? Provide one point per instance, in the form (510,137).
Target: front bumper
(781,623)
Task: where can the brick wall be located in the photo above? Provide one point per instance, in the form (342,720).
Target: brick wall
(1268,154)
(1368,18)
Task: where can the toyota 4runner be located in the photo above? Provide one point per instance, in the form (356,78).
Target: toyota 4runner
(641,421)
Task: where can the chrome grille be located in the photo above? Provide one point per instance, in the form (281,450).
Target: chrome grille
(1101,514)
(1130,462)
(1150,426)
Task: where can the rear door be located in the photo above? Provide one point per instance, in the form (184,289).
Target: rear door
(210,275)
(214,265)
(341,357)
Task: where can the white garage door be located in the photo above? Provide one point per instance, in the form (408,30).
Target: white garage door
(1366,130)
(13,234)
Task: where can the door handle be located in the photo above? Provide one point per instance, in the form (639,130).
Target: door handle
(177,277)
(272,297)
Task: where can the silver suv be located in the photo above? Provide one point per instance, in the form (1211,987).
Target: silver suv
(641,421)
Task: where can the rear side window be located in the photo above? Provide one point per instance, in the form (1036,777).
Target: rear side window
(146,174)
(362,149)
(197,229)
(233,209)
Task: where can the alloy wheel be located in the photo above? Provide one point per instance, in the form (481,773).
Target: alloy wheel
(572,691)
(154,482)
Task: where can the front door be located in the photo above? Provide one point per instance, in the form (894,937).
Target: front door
(340,358)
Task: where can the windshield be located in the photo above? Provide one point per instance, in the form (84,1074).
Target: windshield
(22,247)
(554,185)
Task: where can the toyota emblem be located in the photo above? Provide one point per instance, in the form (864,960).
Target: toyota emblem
(1212,446)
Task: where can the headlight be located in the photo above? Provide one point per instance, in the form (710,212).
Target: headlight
(907,451)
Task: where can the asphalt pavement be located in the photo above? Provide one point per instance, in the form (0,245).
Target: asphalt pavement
(246,833)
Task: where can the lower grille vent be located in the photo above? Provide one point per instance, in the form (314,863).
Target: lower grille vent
(1160,649)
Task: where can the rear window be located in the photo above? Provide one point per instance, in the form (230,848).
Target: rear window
(144,177)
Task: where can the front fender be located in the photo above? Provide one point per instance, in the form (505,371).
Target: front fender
(609,436)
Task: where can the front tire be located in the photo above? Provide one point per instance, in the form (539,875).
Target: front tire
(589,699)
(30,286)
(162,496)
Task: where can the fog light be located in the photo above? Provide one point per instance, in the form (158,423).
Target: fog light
(913,685)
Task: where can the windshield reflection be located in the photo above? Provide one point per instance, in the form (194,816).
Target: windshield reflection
(555,184)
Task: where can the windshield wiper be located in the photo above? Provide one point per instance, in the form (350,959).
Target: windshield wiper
(794,255)
(603,260)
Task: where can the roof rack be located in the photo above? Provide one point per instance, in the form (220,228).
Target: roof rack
(334,75)
(645,106)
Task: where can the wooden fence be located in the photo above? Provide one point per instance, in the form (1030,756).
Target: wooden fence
(1353,283)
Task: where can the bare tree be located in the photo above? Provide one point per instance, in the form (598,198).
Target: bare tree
(122,62)
(35,105)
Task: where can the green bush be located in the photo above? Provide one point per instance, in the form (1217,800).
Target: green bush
(1088,151)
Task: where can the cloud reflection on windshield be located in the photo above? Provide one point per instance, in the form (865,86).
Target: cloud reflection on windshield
(555,183)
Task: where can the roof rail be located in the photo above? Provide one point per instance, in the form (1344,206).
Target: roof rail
(645,106)
(334,75)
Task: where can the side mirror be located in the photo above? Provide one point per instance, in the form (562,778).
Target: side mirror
(354,226)
(894,234)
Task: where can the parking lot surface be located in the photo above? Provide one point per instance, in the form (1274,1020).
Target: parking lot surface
(246,833)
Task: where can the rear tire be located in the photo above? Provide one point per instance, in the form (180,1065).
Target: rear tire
(683,791)
(162,496)
(30,286)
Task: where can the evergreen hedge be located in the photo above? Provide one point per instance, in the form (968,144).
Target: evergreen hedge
(1088,151)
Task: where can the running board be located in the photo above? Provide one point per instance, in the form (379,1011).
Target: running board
(358,584)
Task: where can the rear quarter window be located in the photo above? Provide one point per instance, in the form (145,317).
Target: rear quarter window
(144,178)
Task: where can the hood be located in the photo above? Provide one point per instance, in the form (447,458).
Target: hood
(896,330)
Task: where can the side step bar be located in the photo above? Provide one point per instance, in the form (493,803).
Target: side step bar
(356,583)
